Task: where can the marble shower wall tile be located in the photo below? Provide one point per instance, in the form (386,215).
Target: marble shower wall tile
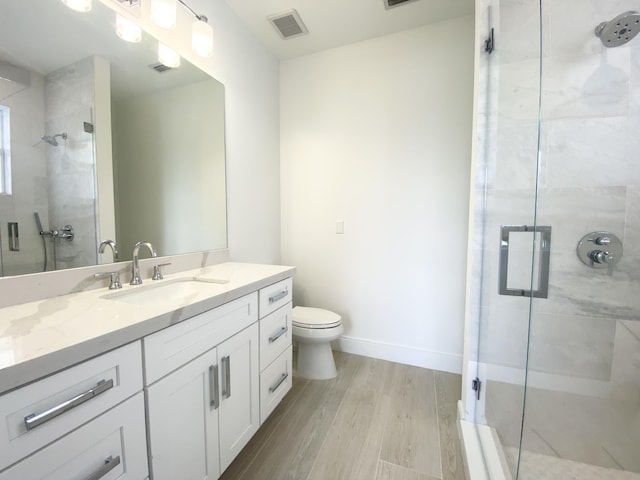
(503,336)
(631,239)
(72,191)
(576,289)
(518,23)
(574,212)
(593,152)
(626,359)
(572,345)
(586,85)
(515,150)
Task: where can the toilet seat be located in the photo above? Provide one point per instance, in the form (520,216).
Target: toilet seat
(315,318)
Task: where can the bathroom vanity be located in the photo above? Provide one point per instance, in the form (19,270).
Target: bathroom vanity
(165,380)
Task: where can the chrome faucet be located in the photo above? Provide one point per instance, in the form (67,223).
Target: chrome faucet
(109,243)
(135,266)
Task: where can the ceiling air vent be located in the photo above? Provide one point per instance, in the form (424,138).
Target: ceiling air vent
(160,67)
(289,24)
(395,3)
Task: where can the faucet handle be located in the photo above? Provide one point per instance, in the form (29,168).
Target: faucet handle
(114,284)
(157,273)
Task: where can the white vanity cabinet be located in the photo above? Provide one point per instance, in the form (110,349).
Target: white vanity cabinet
(204,412)
(82,421)
(275,345)
(110,447)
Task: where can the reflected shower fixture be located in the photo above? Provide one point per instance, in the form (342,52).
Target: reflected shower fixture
(620,30)
(51,139)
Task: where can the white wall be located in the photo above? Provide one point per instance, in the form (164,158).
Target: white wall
(250,75)
(378,134)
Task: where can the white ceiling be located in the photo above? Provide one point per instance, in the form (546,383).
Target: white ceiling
(333,23)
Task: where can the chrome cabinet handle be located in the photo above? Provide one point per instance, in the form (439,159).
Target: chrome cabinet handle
(226,376)
(214,389)
(282,378)
(35,419)
(276,336)
(109,464)
(279,296)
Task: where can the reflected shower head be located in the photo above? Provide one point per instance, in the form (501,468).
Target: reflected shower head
(620,30)
(51,140)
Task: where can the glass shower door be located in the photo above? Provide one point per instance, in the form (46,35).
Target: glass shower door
(508,240)
(582,414)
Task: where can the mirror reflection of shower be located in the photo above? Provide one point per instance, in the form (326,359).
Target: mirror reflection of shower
(51,139)
(65,233)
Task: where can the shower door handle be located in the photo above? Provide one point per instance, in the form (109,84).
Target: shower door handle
(543,265)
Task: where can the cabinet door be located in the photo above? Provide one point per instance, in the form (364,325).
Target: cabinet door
(239,392)
(183,422)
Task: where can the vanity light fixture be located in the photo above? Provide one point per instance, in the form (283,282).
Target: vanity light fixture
(163,13)
(78,5)
(201,33)
(127,30)
(167,56)
(202,37)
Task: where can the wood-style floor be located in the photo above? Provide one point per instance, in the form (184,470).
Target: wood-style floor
(376,421)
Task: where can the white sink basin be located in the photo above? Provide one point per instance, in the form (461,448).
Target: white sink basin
(179,290)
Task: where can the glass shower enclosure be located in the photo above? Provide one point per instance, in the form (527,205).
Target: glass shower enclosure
(552,360)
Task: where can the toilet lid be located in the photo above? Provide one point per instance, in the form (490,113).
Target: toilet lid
(308,317)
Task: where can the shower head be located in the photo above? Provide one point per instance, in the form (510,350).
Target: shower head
(51,140)
(620,30)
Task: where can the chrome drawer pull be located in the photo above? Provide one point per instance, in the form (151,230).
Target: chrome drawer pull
(214,389)
(279,296)
(109,464)
(279,382)
(282,331)
(33,420)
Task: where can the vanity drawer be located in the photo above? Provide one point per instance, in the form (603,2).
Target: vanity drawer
(275,382)
(37,414)
(112,446)
(169,349)
(275,335)
(275,296)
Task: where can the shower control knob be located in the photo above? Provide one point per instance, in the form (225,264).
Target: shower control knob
(606,257)
(598,256)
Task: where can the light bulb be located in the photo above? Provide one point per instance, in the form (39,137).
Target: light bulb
(127,30)
(78,5)
(167,56)
(202,38)
(163,13)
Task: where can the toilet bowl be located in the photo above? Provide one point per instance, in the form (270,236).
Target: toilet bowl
(313,330)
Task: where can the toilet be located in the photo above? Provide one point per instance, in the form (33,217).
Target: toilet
(313,330)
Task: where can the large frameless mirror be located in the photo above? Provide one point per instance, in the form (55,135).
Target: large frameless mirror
(102,142)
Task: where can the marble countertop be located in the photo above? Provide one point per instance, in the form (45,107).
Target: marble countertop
(41,337)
